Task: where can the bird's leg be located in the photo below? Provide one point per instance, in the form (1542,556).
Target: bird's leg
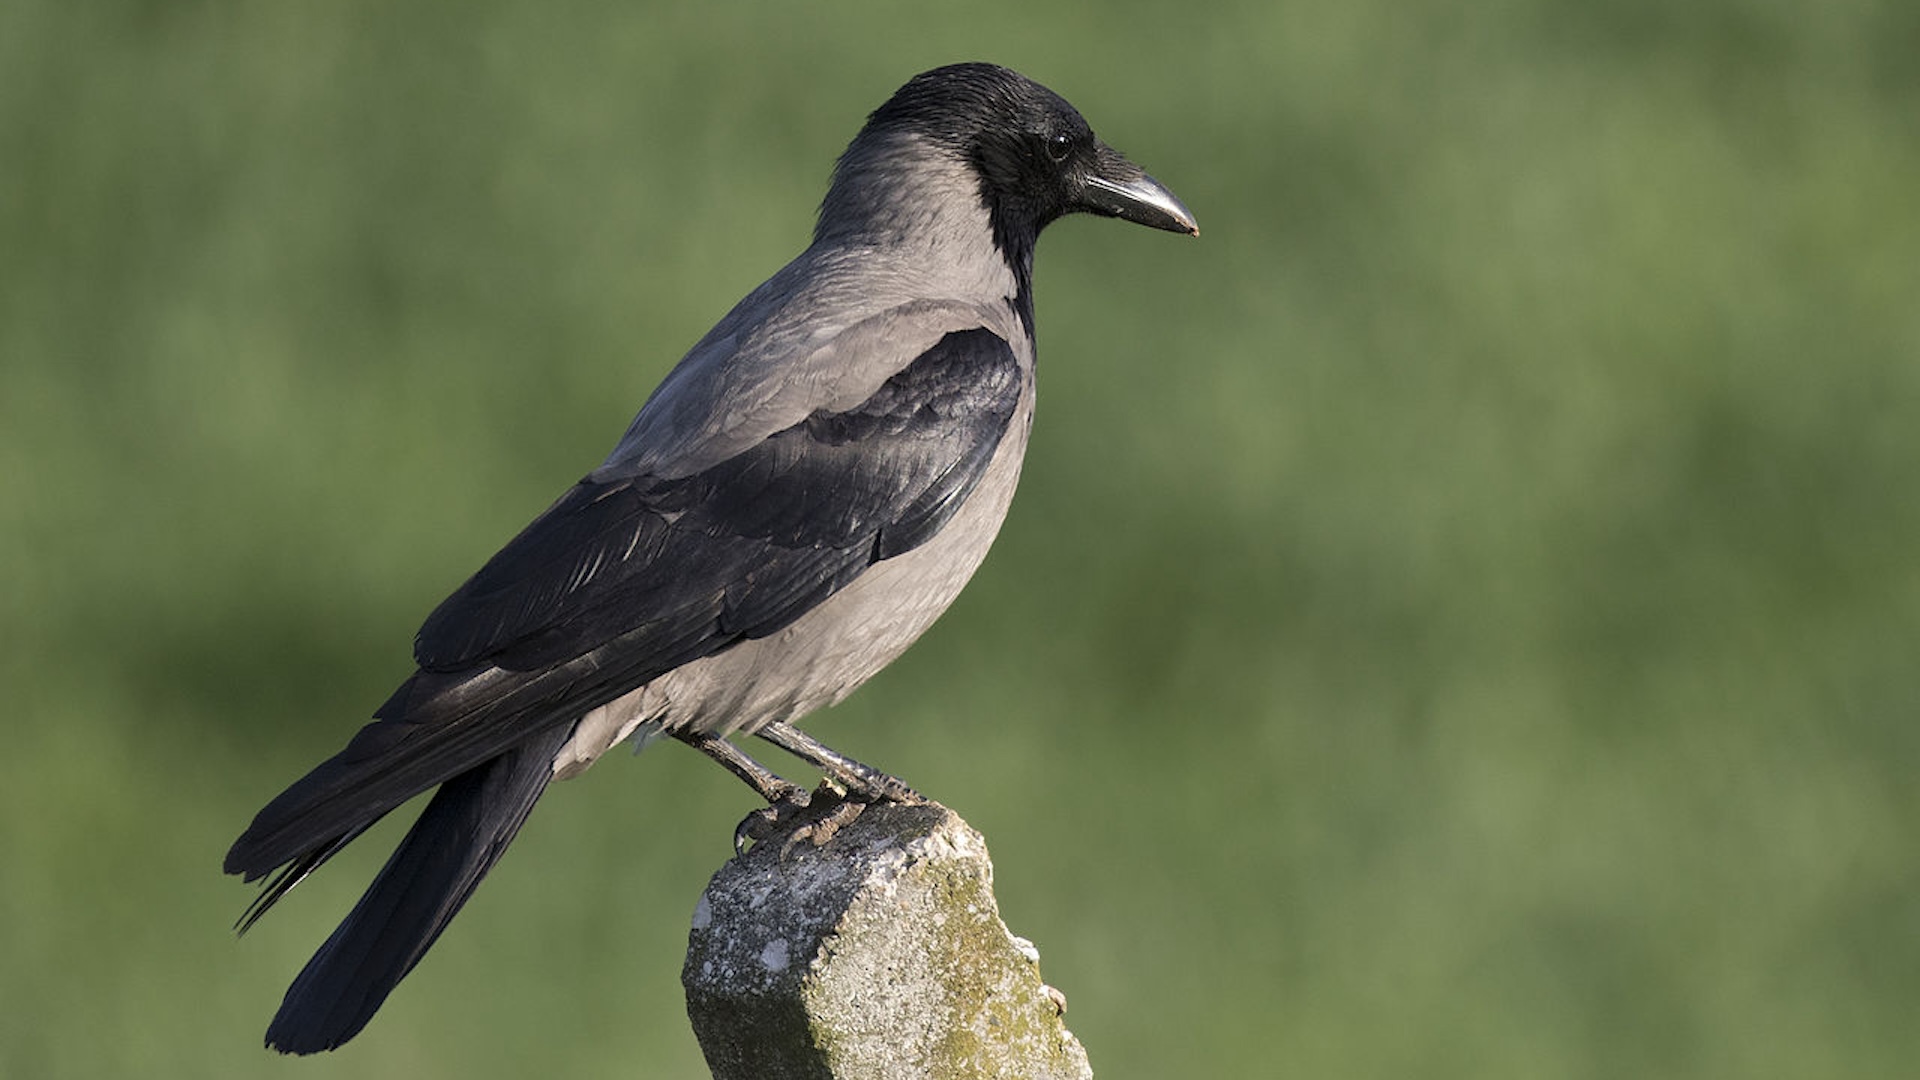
(770,785)
(780,794)
(845,791)
(865,782)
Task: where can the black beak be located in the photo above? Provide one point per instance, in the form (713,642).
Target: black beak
(1118,188)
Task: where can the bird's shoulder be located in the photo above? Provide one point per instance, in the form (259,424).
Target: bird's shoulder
(824,334)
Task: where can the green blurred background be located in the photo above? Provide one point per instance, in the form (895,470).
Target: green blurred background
(1460,618)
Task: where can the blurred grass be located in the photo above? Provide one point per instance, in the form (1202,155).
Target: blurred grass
(1459,619)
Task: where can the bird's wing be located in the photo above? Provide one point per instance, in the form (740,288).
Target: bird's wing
(743,547)
(627,577)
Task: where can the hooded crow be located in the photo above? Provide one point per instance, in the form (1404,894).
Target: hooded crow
(800,498)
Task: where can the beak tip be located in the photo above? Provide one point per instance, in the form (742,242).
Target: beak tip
(1180,220)
(1141,199)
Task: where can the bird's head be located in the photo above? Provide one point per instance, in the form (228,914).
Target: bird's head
(1030,156)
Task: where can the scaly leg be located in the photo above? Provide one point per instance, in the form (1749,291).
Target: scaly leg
(864,781)
(780,794)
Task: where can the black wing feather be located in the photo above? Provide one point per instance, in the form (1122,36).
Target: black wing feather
(795,514)
(623,580)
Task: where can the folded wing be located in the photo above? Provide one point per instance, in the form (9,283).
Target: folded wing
(625,578)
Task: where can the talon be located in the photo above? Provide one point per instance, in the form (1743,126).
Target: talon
(765,823)
(754,828)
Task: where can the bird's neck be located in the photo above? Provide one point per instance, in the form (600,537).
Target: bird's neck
(920,204)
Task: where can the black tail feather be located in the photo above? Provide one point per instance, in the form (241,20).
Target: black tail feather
(293,874)
(459,836)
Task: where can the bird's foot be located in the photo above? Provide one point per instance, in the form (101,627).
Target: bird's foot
(813,817)
(766,822)
(831,810)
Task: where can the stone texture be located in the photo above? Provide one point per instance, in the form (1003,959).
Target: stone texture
(878,955)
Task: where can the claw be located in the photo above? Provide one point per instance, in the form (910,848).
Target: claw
(754,828)
(765,823)
(817,816)
(814,817)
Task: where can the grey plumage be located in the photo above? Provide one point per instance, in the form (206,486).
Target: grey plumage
(799,499)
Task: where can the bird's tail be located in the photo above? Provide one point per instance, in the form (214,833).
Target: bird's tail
(459,836)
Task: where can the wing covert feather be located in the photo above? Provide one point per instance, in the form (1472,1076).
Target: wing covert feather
(743,547)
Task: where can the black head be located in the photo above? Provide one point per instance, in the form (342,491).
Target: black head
(1035,158)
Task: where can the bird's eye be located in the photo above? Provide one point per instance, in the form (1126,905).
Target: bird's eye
(1059,146)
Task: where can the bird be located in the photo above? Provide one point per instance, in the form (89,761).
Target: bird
(805,492)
